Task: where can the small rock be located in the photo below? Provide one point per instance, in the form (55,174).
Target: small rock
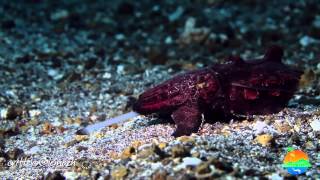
(179,151)
(168,40)
(309,145)
(192,34)
(2,162)
(176,14)
(120,69)
(3,113)
(222,165)
(307,40)
(81,148)
(162,145)
(120,37)
(60,14)
(315,125)
(186,139)
(316,22)
(188,161)
(203,170)
(145,153)
(54,74)
(47,128)
(127,152)
(34,113)
(264,139)
(159,152)
(259,127)
(81,137)
(71,175)
(159,175)
(94,118)
(12,112)
(54,176)
(307,78)
(70,143)
(136,144)
(276,176)
(119,172)
(106,75)
(283,128)
(14,153)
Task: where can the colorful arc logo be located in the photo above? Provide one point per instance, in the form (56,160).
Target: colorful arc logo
(296,161)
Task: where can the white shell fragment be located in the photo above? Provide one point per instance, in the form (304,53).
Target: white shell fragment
(315,125)
(188,161)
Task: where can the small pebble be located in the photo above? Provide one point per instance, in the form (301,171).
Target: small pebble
(145,153)
(307,40)
(71,175)
(259,127)
(162,145)
(136,144)
(179,151)
(186,139)
(119,172)
(176,15)
(81,148)
(54,176)
(316,22)
(127,153)
(53,72)
(159,175)
(188,161)
(12,112)
(264,139)
(60,14)
(204,170)
(47,128)
(34,113)
(81,138)
(3,113)
(120,37)
(168,40)
(15,153)
(107,75)
(315,125)
(276,176)
(120,69)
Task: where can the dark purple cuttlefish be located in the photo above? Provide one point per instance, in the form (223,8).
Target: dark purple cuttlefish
(259,86)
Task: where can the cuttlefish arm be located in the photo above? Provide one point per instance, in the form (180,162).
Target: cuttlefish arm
(98,126)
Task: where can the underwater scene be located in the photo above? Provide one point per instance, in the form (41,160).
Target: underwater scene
(159,90)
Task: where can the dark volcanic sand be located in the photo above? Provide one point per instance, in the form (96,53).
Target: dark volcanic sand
(64,65)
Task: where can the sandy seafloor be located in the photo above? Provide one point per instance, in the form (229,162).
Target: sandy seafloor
(64,65)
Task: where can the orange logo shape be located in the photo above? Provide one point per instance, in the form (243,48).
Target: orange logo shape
(296,161)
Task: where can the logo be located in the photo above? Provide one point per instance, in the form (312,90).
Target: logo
(296,161)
